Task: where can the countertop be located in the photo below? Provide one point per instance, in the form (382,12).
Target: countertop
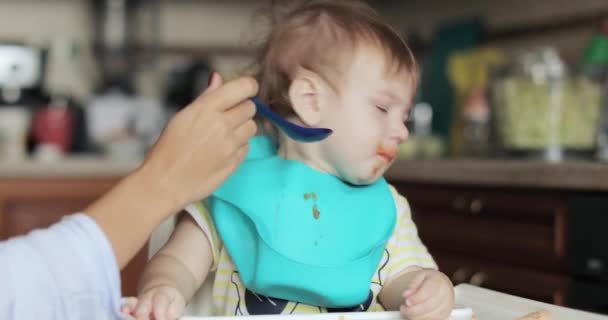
(576,175)
(68,167)
(579,175)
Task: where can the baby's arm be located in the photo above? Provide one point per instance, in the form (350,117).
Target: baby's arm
(411,281)
(175,273)
(183,262)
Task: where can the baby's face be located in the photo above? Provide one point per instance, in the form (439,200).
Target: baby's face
(367,117)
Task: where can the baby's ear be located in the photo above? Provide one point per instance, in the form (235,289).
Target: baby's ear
(304,97)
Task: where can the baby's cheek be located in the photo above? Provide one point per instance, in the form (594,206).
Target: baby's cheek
(377,170)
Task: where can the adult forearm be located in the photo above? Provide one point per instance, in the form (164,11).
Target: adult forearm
(131,210)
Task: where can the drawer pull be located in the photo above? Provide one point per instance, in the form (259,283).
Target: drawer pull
(476,206)
(460,275)
(478,279)
(459,203)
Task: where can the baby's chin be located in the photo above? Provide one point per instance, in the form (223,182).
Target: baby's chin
(361,179)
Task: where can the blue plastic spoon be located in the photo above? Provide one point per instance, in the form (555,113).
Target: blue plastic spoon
(293,130)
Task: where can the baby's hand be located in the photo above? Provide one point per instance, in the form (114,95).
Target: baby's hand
(429,296)
(158,303)
(128,307)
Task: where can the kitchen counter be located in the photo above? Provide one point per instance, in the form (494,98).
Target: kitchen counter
(68,167)
(591,176)
(579,175)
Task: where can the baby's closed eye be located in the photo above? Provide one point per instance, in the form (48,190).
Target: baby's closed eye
(382,108)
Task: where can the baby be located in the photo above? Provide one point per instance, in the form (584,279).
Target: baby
(311,227)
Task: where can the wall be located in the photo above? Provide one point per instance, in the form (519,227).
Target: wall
(190,24)
(210,25)
(499,15)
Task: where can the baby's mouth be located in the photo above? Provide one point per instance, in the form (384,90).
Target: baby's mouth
(388,154)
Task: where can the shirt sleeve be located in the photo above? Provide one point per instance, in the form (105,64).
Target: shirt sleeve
(404,248)
(201,213)
(67,271)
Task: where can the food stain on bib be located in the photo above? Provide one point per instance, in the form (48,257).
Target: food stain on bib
(315,210)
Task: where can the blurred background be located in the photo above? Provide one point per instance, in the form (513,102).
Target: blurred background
(504,169)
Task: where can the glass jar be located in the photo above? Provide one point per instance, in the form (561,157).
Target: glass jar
(542,110)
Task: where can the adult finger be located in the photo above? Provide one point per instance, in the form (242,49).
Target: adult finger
(215,81)
(228,95)
(240,114)
(244,133)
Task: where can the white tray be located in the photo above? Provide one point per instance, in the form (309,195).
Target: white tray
(486,304)
(493,305)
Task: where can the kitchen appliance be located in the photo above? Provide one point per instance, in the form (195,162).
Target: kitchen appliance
(53,126)
(22,71)
(14,125)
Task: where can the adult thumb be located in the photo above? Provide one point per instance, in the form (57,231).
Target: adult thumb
(215,81)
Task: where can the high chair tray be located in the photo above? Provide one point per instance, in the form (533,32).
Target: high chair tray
(485,304)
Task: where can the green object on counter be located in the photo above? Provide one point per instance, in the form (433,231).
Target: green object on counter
(596,52)
(536,115)
(435,86)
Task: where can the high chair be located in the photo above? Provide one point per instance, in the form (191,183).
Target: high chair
(484,303)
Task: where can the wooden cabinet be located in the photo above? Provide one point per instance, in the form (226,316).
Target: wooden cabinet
(27,204)
(510,240)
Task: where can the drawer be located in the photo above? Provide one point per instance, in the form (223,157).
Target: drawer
(518,243)
(500,225)
(20,216)
(524,282)
(27,204)
(535,207)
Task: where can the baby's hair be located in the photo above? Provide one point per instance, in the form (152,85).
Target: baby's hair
(321,36)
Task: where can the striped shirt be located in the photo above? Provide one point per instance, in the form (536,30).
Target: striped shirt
(230,297)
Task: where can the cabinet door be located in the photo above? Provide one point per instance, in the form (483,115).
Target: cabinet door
(31,204)
(524,282)
(511,226)
(22,216)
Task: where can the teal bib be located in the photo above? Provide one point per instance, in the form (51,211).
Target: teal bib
(298,234)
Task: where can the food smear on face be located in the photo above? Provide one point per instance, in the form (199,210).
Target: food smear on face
(387,153)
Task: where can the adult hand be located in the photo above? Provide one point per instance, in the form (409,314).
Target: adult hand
(200,147)
(205,142)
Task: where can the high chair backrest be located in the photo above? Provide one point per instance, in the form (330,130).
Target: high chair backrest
(202,301)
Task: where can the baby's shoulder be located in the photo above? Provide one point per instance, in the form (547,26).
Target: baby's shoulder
(401,203)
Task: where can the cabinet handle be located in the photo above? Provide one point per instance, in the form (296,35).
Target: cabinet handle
(460,275)
(478,279)
(459,203)
(476,206)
